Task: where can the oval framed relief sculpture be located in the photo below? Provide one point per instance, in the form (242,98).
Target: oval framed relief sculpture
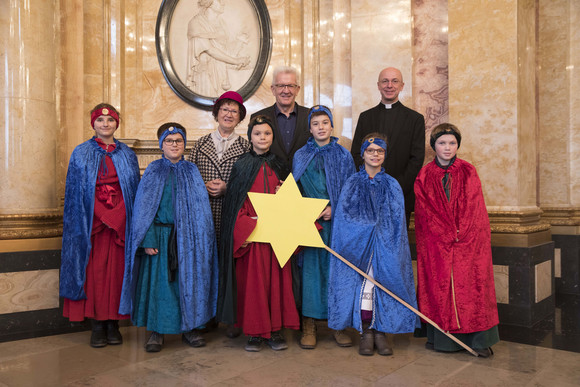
(207,47)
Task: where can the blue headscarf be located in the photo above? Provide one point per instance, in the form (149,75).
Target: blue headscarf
(320,108)
(373,140)
(172,130)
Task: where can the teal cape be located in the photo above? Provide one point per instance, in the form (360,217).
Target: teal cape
(321,173)
(196,245)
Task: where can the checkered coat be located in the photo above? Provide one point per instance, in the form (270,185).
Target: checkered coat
(203,154)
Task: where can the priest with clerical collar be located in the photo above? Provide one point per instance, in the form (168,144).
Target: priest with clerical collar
(405,132)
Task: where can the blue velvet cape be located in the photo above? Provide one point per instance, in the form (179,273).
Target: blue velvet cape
(196,245)
(79,201)
(370,229)
(338,165)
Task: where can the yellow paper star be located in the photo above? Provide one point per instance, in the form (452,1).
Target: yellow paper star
(286,220)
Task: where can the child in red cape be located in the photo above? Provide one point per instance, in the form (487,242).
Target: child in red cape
(455,286)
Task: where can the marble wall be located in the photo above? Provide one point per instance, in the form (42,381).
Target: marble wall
(491,97)
(28,98)
(473,63)
(431,65)
(573,68)
(558,64)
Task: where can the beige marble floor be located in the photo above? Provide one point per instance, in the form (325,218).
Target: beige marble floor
(68,360)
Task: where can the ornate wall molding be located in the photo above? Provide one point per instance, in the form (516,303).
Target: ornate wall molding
(524,221)
(564,220)
(561,216)
(29,226)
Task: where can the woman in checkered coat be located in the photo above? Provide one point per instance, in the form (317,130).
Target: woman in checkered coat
(215,153)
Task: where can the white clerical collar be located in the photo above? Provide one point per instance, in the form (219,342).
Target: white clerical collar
(388,106)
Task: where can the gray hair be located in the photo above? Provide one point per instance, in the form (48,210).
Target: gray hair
(285,70)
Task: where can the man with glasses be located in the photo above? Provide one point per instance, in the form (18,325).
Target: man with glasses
(290,119)
(405,132)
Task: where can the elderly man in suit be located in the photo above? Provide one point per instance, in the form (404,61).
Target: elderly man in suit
(290,119)
(405,132)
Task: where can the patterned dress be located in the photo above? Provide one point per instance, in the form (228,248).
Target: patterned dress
(204,156)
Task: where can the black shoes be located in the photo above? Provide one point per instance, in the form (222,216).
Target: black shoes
(367,342)
(99,334)
(193,338)
(155,342)
(277,342)
(484,352)
(113,335)
(254,344)
(381,343)
(233,331)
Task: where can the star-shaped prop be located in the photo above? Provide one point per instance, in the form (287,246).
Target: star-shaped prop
(286,220)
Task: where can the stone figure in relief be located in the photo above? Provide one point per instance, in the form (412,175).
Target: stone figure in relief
(212,50)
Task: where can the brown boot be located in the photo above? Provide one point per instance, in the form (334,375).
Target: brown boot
(382,344)
(308,339)
(367,342)
(342,338)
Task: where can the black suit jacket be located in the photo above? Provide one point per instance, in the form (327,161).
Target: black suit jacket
(405,145)
(301,132)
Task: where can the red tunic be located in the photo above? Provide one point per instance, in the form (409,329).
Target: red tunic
(106,265)
(455,286)
(265,298)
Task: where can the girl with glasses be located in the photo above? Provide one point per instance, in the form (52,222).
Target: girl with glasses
(370,231)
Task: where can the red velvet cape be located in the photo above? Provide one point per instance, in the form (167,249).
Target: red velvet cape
(455,286)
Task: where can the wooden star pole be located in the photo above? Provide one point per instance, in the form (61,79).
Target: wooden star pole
(403,302)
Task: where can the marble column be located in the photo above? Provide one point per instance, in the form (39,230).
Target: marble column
(381,36)
(493,101)
(333,65)
(30,213)
(559,135)
(28,120)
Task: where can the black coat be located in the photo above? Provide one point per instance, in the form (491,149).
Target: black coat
(301,132)
(405,144)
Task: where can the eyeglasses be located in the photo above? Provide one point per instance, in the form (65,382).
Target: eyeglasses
(395,82)
(228,111)
(379,151)
(291,86)
(169,141)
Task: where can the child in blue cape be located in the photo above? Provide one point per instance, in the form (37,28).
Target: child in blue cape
(321,168)
(170,283)
(370,231)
